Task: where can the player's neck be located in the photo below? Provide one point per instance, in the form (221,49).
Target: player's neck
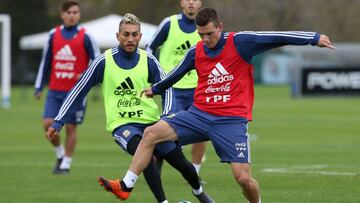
(188,16)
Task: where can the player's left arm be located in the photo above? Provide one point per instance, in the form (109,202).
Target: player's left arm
(91,47)
(249,44)
(324,41)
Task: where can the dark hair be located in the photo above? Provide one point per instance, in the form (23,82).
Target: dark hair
(206,15)
(67,4)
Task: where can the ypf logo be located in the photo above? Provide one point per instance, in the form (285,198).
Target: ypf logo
(219,75)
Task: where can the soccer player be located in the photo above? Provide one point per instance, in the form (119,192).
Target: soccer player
(175,35)
(223,98)
(123,72)
(65,58)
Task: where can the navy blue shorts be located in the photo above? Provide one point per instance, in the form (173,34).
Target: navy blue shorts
(227,134)
(125,133)
(184,98)
(53,103)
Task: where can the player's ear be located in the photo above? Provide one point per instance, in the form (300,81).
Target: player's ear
(221,25)
(118,36)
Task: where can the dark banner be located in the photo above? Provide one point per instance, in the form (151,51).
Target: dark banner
(330,81)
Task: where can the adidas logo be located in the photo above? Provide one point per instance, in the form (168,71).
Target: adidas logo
(219,75)
(125,88)
(182,49)
(65,54)
(241,155)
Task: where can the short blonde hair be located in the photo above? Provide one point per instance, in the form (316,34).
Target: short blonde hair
(129,18)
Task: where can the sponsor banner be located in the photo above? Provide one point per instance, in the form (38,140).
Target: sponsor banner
(330,81)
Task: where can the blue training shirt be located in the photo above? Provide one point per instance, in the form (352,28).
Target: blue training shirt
(248,44)
(95,74)
(91,48)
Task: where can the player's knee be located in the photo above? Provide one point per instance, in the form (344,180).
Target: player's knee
(150,135)
(47,123)
(243,179)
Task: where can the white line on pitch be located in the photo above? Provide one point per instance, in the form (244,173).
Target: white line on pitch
(304,169)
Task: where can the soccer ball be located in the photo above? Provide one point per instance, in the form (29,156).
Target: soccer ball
(184,201)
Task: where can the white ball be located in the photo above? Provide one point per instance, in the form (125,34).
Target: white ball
(184,201)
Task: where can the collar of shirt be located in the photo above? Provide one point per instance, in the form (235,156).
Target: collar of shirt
(126,60)
(186,19)
(186,24)
(69,28)
(212,52)
(69,32)
(125,54)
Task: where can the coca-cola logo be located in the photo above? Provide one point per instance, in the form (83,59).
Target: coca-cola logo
(128,103)
(222,88)
(65,66)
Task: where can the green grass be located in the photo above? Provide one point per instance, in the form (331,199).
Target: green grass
(303,150)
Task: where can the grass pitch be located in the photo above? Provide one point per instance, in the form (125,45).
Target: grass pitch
(303,150)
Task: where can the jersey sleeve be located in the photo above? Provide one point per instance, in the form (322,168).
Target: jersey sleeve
(91,46)
(249,44)
(159,37)
(156,74)
(185,65)
(45,64)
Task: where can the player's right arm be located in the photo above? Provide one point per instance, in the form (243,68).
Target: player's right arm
(44,67)
(92,76)
(159,37)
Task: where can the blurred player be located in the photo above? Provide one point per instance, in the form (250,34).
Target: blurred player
(65,58)
(175,35)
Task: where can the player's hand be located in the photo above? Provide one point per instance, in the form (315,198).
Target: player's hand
(37,95)
(147,92)
(324,41)
(52,133)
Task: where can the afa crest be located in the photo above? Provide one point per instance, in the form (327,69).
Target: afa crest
(126,133)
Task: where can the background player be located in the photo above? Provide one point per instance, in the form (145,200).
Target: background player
(174,36)
(65,58)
